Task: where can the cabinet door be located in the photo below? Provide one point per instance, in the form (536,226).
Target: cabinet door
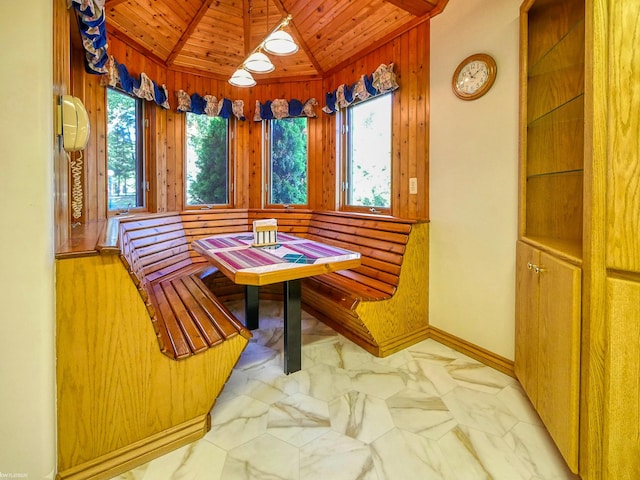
(559,355)
(526,355)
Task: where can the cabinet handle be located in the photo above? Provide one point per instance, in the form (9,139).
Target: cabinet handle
(535,268)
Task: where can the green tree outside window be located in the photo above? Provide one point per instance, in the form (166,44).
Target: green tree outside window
(288,161)
(207,160)
(123,151)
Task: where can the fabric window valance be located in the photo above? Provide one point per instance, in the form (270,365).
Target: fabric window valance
(209,105)
(282,108)
(93,30)
(117,75)
(383,80)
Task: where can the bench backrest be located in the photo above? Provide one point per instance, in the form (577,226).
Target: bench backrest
(157,245)
(381,242)
(153,246)
(199,224)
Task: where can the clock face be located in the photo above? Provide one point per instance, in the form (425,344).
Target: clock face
(474,76)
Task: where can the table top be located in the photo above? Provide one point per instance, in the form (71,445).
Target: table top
(291,258)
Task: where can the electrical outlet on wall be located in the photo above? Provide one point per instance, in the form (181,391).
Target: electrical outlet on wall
(413,185)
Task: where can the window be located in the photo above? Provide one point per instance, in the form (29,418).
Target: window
(367,154)
(287,162)
(125,164)
(208,170)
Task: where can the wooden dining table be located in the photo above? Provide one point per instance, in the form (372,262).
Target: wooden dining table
(289,260)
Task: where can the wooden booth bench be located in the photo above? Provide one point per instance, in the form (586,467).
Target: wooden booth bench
(381,305)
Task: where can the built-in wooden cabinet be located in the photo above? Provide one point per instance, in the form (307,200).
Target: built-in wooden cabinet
(549,252)
(548,342)
(577,326)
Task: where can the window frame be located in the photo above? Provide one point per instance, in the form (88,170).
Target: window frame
(142,190)
(267,126)
(344,143)
(231,168)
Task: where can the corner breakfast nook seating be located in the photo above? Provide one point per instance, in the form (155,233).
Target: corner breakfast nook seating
(171,277)
(381,305)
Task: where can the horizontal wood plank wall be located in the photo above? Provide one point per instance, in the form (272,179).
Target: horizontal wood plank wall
(410,54)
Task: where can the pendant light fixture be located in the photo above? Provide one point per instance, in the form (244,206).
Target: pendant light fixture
(278,42)
(258,62)
(242,78)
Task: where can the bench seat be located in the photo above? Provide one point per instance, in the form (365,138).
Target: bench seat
(187,317)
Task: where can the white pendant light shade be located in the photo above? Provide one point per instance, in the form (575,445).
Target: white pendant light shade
(242,78)
(280,43)
(258,62)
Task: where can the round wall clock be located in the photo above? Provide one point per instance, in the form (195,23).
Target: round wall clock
(474,76)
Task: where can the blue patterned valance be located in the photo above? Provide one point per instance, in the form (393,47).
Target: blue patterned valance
(209,105)
(117,75)
(281,108)
(383,80)
(93,30)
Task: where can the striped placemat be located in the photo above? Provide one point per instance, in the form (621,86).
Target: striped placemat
(316,250)
(249,258)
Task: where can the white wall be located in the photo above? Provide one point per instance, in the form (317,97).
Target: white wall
(473,177)
(27,294)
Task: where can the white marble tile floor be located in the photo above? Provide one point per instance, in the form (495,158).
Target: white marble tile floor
(427,412)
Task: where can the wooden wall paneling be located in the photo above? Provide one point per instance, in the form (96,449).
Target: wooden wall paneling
(253,153)
(330,177)
(160,172)
(156,160)
(175,166)
(623,185)
(410,125)
(240,151)
(87,87)
(61,81)
(622,389)
(401,128)
(100,123)
(594,310)
(315,147)
(422,120)
(618,96)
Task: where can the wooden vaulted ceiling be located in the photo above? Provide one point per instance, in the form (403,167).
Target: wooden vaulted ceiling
(213,37)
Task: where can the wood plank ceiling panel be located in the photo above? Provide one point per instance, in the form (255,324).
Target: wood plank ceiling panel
(344,39)
(134,27)
(414,7)
(216,44)
(214,36)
